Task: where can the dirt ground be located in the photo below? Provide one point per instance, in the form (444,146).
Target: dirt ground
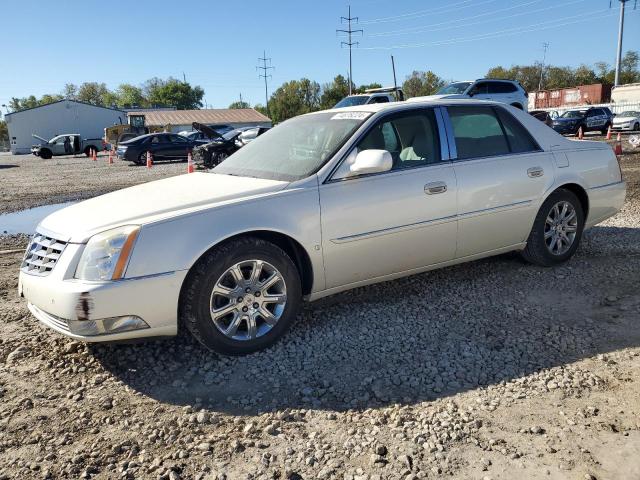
(489,370)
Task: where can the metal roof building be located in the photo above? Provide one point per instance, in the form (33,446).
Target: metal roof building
(182,119)
(64,116)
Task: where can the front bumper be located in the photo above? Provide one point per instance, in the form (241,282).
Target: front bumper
(622,127)
(69,306)
(565,129)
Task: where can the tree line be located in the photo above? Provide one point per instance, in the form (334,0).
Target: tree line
(155,92)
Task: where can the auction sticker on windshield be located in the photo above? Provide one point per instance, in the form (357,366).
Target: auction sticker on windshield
(351,116)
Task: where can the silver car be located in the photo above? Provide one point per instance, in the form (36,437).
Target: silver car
(322,203)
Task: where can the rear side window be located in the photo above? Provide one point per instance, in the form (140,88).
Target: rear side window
(520,140)
(501,87)
(477,132)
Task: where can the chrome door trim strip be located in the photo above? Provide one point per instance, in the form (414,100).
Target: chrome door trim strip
(427,223)
(482,211)
(391,230)
(607,185)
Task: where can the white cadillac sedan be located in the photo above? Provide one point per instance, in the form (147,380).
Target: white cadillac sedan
(322,203)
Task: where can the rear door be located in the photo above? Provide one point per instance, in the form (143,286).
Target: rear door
(179,146)
(160,146)
(502,176)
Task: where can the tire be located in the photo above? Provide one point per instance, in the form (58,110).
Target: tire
(46,154)
(199,300)
(142,159)
(538,251)
(636,127)
(606,129)
(87,150)
(219,158)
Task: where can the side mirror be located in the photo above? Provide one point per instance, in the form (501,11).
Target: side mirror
(471,93)
(371,161)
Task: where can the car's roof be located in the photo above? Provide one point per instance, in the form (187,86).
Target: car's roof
(378,107)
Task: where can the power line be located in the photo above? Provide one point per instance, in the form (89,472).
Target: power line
(266,75)
(422,13)
(350,43)
(427,28)
(500,33)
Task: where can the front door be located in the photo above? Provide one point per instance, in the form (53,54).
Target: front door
(380,224)
(502,176)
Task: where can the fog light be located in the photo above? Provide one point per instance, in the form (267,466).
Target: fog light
(106,325)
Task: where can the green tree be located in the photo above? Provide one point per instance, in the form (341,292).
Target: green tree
(629,72)
(70,91)
(173,93)
(364,88)
(333,92)
(294,98)
(129,96)
(258,107)
(94,93)
(419,84)
(4,132)
(239,105)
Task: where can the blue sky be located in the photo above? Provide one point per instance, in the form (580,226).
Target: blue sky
(217,44)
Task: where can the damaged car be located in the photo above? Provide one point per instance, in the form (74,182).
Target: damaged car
(213,153)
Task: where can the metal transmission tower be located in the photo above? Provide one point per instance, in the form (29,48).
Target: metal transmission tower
(265,74)
(620,32)
(545,45)
(350,43)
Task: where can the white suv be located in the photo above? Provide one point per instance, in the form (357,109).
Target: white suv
(503,91)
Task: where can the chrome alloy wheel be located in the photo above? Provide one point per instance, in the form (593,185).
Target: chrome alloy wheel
(248,300)
(560,228)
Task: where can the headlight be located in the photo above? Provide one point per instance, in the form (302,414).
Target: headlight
(106,254)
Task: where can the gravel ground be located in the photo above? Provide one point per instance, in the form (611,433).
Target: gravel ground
(29,181)
(489,370)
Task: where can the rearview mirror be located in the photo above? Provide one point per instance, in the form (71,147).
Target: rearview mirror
(371,161)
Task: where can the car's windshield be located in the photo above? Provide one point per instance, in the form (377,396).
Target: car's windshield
(352,101)
(629,113)
(454,88)
(294,149)
(574,114)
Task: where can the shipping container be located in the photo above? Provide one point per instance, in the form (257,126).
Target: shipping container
(569,97)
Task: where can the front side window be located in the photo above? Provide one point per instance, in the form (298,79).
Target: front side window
(477,132)
(411,138)
(480,88)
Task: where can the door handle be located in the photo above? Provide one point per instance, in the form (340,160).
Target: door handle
(434,188)
(534,172)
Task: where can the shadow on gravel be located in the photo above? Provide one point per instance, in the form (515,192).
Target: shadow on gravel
(414,339)
(3,167)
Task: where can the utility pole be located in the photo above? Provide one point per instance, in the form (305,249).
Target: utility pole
(265,74)
(350,43)
(545,45)
(620,32)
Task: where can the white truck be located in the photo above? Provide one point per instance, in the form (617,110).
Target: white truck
(66,144)
(373,95)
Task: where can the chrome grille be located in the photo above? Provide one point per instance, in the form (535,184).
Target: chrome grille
(42,255)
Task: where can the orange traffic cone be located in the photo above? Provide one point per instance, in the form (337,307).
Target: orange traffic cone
(149,160)
(580,133)
(189,162)
(110,162)
(618,148)
(609,133)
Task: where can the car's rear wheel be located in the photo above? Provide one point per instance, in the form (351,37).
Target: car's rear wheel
(241,297)
(46,154)
(556,231)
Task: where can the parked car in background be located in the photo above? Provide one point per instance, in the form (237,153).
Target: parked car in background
(66,144)
(503,91)
(163,146)
(323,203)
(373,95)
(629,120)
(544,116)
(211,154)
(204,133)
(590,119)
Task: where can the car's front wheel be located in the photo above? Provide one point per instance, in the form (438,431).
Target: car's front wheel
(556,231)
(241,297)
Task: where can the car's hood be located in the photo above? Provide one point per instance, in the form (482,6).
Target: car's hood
(152,201)
(620,119)
(39,138)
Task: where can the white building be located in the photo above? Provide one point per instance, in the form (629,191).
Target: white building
(65,116)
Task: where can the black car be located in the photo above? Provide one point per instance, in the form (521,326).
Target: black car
(211,154)
(589,118)
(163,146)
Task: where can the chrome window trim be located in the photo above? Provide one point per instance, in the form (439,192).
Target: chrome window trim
(451,141)
(374,120)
